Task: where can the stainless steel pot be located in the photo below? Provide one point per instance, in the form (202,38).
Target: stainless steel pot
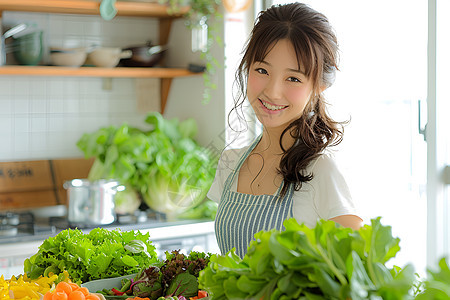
(91,203)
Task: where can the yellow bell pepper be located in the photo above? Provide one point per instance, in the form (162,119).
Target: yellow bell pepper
(23,288)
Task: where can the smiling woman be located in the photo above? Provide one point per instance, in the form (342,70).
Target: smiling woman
(287,171)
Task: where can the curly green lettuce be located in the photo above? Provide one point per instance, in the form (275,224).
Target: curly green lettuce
(99,254)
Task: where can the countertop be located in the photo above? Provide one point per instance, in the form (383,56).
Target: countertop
(159,230)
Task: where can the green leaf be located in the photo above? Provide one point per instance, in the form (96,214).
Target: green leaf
(279,247)
(328,285)
(231,289)
(250,285)
(359,281)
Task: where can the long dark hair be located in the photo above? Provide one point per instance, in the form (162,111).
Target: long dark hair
(316,48)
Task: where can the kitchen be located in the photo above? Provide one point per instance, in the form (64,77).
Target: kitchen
(43,117)
(61,87)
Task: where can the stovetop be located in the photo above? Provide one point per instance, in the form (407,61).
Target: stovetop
(30,228)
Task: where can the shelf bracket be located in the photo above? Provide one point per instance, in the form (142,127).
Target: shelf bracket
(165,89)
(164,30)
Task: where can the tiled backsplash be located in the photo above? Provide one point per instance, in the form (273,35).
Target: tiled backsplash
(43,117)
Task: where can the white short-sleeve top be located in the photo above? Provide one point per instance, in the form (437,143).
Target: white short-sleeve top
(325,196)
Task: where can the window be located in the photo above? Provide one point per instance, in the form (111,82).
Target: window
(383,74)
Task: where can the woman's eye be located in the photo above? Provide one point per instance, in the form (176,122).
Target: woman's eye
(294,79)
(261,71)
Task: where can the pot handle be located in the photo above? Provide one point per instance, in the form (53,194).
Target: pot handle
(156,49)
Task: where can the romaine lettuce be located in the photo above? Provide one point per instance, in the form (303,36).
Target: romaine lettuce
(165,164)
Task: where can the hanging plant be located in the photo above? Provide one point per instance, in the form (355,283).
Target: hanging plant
(202,21)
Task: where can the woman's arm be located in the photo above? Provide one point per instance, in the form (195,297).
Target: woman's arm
(351,221)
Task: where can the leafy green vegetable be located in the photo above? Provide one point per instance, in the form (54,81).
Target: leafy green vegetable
(164,163)
(174,277)
(127,201)
(99,254)
(177,263)
(184,284)
(437,285)
(326,262)
(148,283)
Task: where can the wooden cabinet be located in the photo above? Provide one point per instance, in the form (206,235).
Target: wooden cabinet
(89,7)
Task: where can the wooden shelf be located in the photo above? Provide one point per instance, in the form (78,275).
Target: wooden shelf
(89,7)
(95,72)
(165,74)
(92,7)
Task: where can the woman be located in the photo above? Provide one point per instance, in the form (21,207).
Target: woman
(289,60)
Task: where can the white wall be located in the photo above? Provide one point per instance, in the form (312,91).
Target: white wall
(43,117)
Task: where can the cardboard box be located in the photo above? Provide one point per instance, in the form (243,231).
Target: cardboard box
(25,176)
(29,184)
(20,200)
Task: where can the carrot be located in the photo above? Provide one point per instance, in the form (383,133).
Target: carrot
(84,290)
(48,296)
(77,295)
(64,287)
(59,295)
(74,286)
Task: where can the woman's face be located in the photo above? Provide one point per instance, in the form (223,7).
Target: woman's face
(277,90)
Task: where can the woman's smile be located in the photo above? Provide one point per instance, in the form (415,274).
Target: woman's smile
(272,108)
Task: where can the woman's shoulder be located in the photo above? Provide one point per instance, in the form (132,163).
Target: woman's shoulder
(326,161)
(230,156)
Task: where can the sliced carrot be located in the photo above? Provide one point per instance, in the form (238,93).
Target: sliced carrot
(92,297)
(59,295)
(84,290)
(64,287)
(77,295)
(48,296)
(74,286)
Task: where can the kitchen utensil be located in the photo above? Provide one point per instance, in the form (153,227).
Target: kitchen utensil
(8,224)
(107,57)
(108,9)
(91,203)
(70,57)
(15,30)
(145,56)
(28,48)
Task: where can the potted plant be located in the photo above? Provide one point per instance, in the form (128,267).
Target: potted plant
(200,20)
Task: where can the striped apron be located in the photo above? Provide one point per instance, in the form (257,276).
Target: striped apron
(239,216)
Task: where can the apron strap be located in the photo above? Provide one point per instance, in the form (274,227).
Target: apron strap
(232,175)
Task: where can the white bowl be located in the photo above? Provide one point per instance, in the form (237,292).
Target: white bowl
(107,57)
(108,283)
(69,57)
